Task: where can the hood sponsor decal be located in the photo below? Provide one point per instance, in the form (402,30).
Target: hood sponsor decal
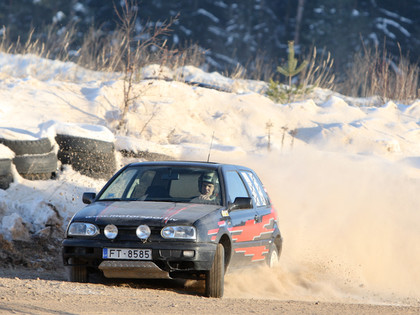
(126,216)
(103,214)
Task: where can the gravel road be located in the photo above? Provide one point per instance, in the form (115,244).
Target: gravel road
(30,291)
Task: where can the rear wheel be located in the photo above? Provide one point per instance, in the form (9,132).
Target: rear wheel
(273,256)
(215,276)
(77,273)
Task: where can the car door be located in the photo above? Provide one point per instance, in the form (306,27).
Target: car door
(265,219)
(240,221)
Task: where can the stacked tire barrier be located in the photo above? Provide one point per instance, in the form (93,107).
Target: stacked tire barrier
(6,176)
(34,159)
(90,157)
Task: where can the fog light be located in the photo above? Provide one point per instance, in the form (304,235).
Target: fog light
(143,232)
(188,253)
(111,231)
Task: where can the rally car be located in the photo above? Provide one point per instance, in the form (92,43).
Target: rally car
(190,220)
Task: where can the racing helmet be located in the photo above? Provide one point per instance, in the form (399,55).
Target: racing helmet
(209,177)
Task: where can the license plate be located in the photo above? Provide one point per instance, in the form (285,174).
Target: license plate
(127,253)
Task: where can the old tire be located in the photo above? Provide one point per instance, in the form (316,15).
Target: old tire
(6,176)
(77,273)
(78,144)
(215,277)
(40,176)
(5,181)
(5,167)
(92,164)
(273,256)
(22,147)
(90,157)
(36,163)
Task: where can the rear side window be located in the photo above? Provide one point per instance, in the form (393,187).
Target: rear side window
(235,186)
(257,190)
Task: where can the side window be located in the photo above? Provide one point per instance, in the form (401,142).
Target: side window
(235,186)
(257,190)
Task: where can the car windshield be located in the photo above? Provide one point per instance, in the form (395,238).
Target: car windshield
(164,183)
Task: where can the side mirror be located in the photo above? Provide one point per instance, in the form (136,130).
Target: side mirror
(88,197)
(241,203)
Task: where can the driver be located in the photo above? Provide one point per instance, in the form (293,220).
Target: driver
(207,184)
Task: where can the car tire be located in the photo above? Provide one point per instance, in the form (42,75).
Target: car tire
(77,273)
(79,144)
(92,164)
(36,163)
(40,176)
(22,147)
(215,276)
(6,176)
(273,256)
(90,157)
(5,167)
(5,181)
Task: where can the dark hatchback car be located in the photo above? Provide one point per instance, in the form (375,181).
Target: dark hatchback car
(189,220)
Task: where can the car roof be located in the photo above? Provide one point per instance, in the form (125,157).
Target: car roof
(212,165)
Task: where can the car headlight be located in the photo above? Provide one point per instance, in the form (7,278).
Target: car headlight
(182,232)
(83,229)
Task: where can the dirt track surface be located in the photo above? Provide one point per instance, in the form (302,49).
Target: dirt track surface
(28,291)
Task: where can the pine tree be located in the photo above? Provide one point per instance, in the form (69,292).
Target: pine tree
(291,69)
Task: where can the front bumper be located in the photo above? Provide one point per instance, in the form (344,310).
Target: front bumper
(167,257)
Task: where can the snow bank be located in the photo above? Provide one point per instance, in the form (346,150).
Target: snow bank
(343,174)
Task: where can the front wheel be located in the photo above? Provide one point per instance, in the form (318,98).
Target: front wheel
(216,275)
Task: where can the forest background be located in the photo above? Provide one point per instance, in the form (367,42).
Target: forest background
(247,38)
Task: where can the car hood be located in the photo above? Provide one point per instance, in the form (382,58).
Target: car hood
(130,213)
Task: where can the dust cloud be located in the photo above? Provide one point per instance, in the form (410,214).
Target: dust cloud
(350,226)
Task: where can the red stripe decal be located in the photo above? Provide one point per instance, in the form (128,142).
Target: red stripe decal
(104,210)
(173,211)
(257,252)
(252,230)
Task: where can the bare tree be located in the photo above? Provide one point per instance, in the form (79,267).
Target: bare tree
(134,49)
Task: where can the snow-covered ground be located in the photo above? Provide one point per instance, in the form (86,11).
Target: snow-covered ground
(343,174)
